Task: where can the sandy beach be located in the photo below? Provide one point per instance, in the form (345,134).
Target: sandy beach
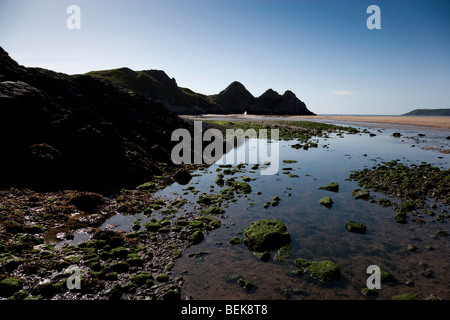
(428,121)
(438,122)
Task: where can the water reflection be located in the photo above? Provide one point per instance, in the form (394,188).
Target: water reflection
(317,232)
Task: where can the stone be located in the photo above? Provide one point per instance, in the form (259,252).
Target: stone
(355,227)
(182,176)
(266,234)
(9,286)
(326,201)
(334,186)
(324,270)
(361,194)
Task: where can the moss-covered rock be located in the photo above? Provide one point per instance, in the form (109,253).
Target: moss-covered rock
(9,286)
(142,278)
(324,271)
(406,296)
(326,201)
(361,194)
(246,284)
(119,252)
(162,277)
(355,227)
(115,293)
(153,226)
(46,289)
(263,256)
(35,229)
(196,237)
(239,186)
(266,234)
(215,210)
(400,217)
(235,240)
(333,186)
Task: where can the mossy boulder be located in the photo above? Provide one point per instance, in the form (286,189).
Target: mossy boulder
(153,226)
(215,210)
(235,240)
(35,229)
(324,271)
(400,217)
(263,256)
(355,227)
(9,286)
(326,201)
(266,234)
(334,186)
(361,194)
(246,284)
(142,278)
(197,237)
(162,277)
(406,296)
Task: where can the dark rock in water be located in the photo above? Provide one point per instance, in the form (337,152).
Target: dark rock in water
(196,237)
(182,176)
(334,186)
(263,256)
(246,284)
(406,296)
(355,227)
(326,201)
(324,271)
(361,194)
(400,217)
(266,234)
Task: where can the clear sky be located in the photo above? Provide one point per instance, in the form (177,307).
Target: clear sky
(321,50)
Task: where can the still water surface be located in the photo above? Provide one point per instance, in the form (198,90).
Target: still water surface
(317,232)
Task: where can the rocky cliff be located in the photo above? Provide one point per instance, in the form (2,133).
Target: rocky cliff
(234,99)
(57,129)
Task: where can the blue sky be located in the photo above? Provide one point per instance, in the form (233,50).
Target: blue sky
(319,49)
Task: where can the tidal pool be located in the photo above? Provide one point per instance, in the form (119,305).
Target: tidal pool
(318,232)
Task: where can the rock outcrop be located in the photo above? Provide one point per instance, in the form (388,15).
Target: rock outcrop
(233,99)
(77,131)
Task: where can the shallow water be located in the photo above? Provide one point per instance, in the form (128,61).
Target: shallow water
(317,232)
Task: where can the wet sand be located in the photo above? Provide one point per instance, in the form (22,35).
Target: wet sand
(429,121)
(438,122)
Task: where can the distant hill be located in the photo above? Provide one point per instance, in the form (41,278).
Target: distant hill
(429,112)
(235,98)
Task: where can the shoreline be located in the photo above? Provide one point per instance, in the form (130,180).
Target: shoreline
(424,121)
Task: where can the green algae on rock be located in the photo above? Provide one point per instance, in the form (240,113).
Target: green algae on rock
(324,270)
(411,184)
(406,296)
(333,186)
(266,234)
(326,201)
(361,194)
(9,286)
(355,227)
